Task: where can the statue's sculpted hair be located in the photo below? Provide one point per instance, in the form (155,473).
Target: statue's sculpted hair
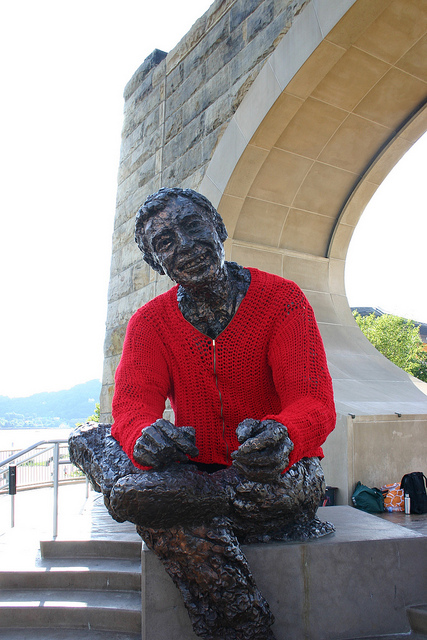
(157,202)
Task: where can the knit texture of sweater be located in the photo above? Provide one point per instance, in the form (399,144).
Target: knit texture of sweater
(269,362)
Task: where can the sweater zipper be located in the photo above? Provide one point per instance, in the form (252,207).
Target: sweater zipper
(220,400)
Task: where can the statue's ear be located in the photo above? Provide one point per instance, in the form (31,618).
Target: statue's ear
(221,230)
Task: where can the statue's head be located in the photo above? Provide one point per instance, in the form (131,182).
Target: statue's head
(181,234)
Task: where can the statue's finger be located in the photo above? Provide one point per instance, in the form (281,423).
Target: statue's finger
(248,428)
(181,438)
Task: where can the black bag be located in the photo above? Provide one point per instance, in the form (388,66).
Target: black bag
(366,499)
(415,484)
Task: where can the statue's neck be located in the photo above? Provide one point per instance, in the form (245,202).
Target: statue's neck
(211,307)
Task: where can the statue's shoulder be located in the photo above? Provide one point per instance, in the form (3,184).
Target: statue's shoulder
(156,308)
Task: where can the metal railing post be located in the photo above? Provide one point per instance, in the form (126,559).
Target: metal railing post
(12,492)
(55,488)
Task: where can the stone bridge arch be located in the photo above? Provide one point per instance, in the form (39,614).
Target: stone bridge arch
(336,96)
(327,118)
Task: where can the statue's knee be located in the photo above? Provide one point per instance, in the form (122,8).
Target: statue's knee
(169,498)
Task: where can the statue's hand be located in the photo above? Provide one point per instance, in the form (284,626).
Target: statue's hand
(162,444)
(264,449)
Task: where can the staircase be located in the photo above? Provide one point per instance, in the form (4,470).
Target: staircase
(78,590)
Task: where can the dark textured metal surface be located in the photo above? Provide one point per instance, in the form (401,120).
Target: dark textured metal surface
(194,521)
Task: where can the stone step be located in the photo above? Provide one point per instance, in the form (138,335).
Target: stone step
(399,636)
(111,578)
(66,608)
(91,585)
(417,616)
(65,634)
(90,549)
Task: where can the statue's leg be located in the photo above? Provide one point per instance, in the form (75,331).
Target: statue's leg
(280,510)
(219,592)
(178,495)
(94,450)
(181,515)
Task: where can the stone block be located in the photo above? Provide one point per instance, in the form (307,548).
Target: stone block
(141,134)
(173,150)
(226,52)
(210,46)
(105,400)
(137,180)
(182,165)
(173,125)
(129,201)
(188,88)
(174,79)
(209,144)
(241,10)
(142,154)
(163,284)
(259,20)
(217,86)
(123,234)
(356,582)
(109,369)
(131,254)
(119,311)
(217,113)
(159,75)
(120,285)
(113,343)
(137,109)
(193,132)
(140,275)
(194,106)
(142,72)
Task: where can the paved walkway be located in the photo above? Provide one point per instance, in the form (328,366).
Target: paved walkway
(79,518)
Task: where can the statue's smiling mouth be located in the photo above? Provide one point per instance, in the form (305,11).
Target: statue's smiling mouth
(193,262)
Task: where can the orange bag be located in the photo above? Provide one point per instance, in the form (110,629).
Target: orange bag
(394,499)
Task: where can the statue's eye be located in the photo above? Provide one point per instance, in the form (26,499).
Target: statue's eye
(163,244)
(194,225)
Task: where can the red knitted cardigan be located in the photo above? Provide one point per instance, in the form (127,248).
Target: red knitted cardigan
(269,362)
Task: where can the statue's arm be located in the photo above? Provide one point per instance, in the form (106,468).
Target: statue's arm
(302,381)
(301,378)
(142,386)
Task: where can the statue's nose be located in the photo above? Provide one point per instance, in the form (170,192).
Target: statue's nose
(185,240)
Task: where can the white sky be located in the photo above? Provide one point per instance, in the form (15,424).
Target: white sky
(386,261)
(64,68)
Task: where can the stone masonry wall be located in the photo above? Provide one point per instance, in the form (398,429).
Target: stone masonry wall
(177,106)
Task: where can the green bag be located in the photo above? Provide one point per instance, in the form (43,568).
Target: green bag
(366,499)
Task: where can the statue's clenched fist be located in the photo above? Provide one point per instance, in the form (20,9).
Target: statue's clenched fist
(162,443)
(264,449)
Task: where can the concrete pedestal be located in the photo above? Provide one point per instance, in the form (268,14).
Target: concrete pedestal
(354,583)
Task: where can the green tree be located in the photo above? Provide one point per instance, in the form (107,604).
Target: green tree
(398,340)
(96,414)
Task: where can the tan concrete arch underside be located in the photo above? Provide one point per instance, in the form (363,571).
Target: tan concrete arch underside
(337,104)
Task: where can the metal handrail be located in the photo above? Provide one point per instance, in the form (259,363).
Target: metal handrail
(56,462)
(30,448)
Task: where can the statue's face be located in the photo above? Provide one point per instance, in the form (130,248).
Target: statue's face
(185,242)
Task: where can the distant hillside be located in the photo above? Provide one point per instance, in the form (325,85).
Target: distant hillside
(51,408)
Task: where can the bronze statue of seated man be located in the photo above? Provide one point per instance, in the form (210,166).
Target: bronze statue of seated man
(238,353)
